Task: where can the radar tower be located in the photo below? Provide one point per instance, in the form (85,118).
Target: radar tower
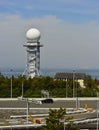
(33,53)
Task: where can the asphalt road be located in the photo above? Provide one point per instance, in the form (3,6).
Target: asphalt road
(41,108)
(56,104)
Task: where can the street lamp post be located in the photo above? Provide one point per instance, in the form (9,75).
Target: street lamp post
(27,109)
(23,83)
(97,108)
(22,88)
(27,106)
(77,105)
(73,83)
(11,82)
(66,88)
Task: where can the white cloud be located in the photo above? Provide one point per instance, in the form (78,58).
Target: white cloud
(66,45)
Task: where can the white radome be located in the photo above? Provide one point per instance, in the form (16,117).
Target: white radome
(33,34)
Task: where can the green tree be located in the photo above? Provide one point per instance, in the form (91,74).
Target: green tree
(55,120)
(56,88)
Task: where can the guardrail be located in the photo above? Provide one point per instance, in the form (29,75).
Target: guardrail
(40,125)
(22,126)
(55,99)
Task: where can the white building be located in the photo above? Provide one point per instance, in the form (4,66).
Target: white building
(79,77)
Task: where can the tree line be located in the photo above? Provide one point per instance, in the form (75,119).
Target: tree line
(56,88)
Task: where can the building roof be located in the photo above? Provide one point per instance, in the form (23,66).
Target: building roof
(64,75)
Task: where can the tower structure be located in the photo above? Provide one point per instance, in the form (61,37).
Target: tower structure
(33,52)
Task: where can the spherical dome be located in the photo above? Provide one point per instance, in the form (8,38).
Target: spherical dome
(33,34)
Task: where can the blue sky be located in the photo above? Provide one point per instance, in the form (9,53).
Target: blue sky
(69,32)
(70,10)
(65,9)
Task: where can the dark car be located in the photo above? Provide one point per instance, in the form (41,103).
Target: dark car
(48,100)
